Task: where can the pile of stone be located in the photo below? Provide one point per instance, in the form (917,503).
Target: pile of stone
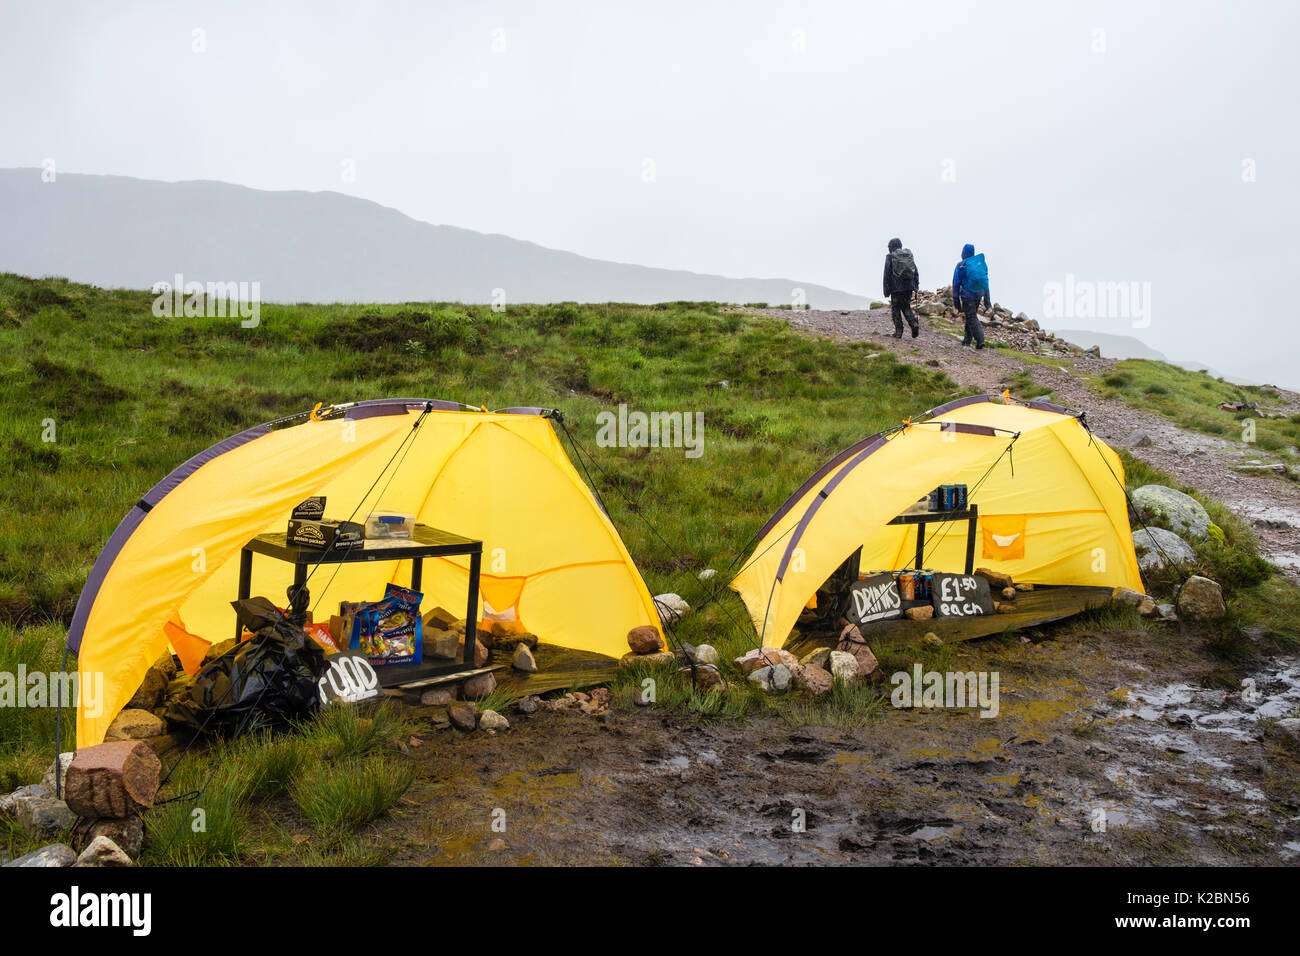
(1017,329)
(1001,585)
(646,645)
(105,788)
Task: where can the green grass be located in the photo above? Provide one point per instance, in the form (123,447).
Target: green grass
(333,775)
(1191,399)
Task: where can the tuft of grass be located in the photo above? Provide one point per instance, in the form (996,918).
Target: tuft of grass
(337,799)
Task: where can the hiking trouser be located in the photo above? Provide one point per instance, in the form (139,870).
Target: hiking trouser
(973,328)
(901,306)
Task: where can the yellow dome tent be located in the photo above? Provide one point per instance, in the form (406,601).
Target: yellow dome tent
(1052,507)
(170,571)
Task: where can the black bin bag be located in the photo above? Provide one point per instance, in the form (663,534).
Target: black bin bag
(264,682)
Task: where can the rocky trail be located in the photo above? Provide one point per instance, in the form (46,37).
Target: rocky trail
(1269,502)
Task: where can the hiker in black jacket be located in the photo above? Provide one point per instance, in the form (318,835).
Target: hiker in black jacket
(901,282)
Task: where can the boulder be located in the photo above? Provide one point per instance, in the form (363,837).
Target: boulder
(671,607)
(444,645)
(766,657)
(523,660)
(101,851)
(491,720)
(707,654)
(762,676)
(114,779)
(56,854)
(479,686)
(814,680)
(151,691)
(1157,547)
(134,724)
(41,812)
(781,678)
(663,657)
(1009,594)
(821,657)
(645,640)
(997,580)
(529,705)
(58,772)
(9,801)
(706,677)
(441,619)
(844,666)
(922,612)
(1136,439)
(127,833)
(1182,513)
(1166,612)
(851,643)
(1121,595)
(509,642)
(439,696)
(481,653)
(462,715)
(1200,599)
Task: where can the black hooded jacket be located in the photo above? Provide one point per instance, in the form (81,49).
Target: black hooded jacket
(893,284)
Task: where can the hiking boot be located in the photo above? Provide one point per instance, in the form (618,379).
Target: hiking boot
(916,330)
(897,335)
(980,346)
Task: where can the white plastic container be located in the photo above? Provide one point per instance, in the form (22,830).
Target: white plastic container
(389,524)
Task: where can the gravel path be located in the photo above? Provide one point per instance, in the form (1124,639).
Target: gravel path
(1270,503)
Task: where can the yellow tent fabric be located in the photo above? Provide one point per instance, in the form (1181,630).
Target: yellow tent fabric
(1052,508)
(551,558)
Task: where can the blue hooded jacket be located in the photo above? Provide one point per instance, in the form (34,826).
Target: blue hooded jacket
(959,278)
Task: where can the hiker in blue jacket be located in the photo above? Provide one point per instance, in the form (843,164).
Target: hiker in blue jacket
(970,286)
(901,282)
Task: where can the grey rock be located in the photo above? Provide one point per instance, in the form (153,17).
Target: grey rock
(1168,506)
(53,783)
(1136,439)
(1200,599)
(1157,547)
(101,851)
(491,720)
(43,814)
(781,678)
(524,660)
(56,854)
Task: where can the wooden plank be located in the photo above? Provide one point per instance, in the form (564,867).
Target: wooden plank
(1043,605)
(559,668)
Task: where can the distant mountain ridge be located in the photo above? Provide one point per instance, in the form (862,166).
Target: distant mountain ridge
(319,247)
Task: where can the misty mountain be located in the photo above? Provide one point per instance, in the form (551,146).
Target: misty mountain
(116,231)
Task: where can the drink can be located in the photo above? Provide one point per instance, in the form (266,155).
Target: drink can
(936,499)
(960,495)
(907,586)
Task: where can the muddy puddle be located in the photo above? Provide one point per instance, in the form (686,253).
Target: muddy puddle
(1103,752)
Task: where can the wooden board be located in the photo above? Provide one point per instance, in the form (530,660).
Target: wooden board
(558,668)
(1042,605)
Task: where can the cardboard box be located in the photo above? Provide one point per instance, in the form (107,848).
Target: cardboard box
(337,535)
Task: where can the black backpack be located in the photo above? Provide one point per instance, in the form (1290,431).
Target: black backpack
(903,265)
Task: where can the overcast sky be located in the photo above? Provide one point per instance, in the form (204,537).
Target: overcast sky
(1114,142)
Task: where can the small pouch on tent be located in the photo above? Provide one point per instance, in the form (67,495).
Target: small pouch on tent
(1003,536)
